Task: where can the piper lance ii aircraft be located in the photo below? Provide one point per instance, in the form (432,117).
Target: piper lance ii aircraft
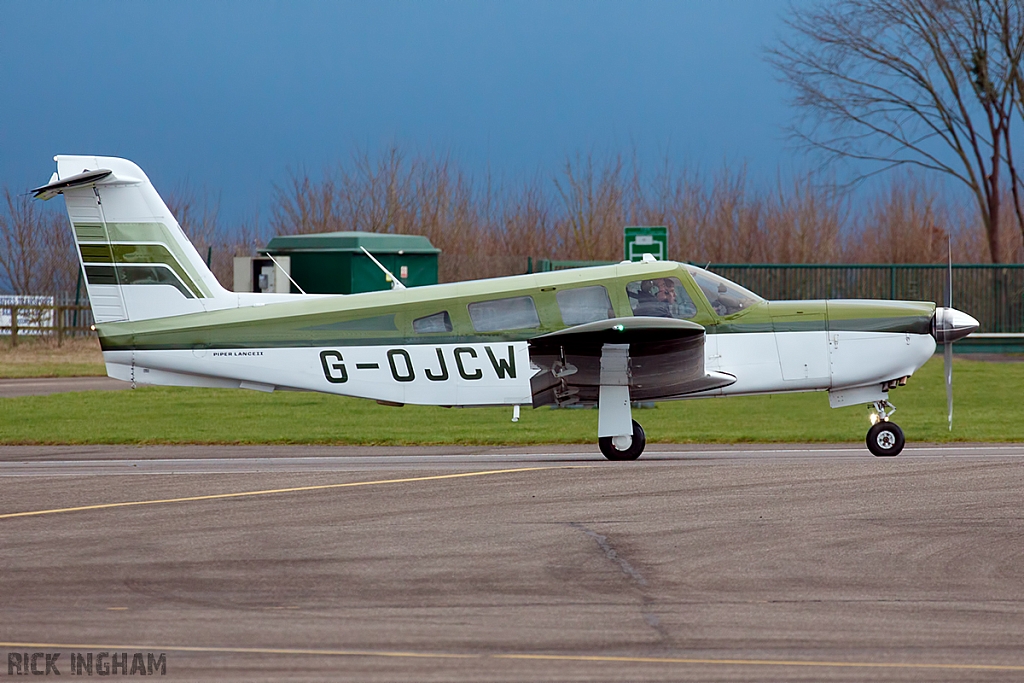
(604,336)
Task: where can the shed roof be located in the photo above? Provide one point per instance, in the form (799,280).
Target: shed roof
(374,242)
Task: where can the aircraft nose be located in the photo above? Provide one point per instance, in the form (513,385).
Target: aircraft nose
(949,324)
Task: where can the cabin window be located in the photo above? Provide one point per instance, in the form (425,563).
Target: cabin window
(584,305)
(661,297)
(439,322)
(516,313)
(724,296)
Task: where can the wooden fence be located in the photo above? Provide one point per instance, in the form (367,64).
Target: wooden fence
(57,321)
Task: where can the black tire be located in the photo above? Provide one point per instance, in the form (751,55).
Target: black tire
(632,453)
(885,439)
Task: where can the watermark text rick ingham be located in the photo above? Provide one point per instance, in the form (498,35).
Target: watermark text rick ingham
(95,663)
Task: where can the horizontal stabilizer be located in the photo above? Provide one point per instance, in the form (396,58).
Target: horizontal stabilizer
(83,179)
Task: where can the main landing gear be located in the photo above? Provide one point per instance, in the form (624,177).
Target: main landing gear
(624,448)
(619,436)
(885,438)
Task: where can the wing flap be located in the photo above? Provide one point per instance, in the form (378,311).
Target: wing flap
(666,360)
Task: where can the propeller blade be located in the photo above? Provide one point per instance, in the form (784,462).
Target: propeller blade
(948,297)
(948,354)
(947,351)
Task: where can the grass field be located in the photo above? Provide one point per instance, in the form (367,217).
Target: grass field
(79,357)
(989,407)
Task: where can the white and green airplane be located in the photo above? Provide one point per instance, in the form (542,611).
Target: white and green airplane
(604,336)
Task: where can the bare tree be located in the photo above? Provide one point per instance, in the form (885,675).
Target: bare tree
(1011,34)
(377,193)
(197,214)
(37,250)
(487,228)
(928,83)
(593,202)
(305,206)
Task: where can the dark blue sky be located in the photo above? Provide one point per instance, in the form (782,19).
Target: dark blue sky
(231,95)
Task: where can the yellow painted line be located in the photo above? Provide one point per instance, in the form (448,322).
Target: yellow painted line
(241,650)
(294,489)
(521,656)
(764,662)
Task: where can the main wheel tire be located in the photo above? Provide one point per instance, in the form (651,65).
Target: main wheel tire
(885,439)
(632,453)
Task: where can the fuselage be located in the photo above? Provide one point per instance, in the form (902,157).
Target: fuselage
(466,343)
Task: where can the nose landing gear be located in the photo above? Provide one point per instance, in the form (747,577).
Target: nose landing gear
(885,438)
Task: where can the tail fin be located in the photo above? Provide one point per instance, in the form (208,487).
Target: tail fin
(138,263)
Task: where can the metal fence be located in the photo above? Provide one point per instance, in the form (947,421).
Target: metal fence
(545,265)
(992,294)
(22,316)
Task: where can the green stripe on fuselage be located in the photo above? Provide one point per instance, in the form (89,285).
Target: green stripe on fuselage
(834,315)
(867,315)
(913,325)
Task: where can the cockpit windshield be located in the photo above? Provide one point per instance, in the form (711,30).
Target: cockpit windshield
(725,297)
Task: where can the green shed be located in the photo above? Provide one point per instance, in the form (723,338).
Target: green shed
(333,263)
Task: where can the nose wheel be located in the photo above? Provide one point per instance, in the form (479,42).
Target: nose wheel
(885,439)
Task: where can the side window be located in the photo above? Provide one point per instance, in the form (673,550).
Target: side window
(584,305)
(516,313)
(439,322)
(662,298)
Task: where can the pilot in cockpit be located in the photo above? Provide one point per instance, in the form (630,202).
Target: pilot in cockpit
(657,298)
(660,298)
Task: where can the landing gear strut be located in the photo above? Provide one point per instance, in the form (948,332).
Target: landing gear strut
(885,438)
(619,436)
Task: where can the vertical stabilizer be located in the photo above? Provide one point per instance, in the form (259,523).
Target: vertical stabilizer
(138,263)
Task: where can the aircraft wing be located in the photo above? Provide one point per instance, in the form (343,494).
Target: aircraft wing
(666,360)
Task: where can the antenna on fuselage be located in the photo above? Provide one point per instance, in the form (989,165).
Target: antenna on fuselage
(395,282)
(287,274)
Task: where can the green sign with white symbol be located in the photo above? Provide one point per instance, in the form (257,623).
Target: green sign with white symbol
(640,240)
